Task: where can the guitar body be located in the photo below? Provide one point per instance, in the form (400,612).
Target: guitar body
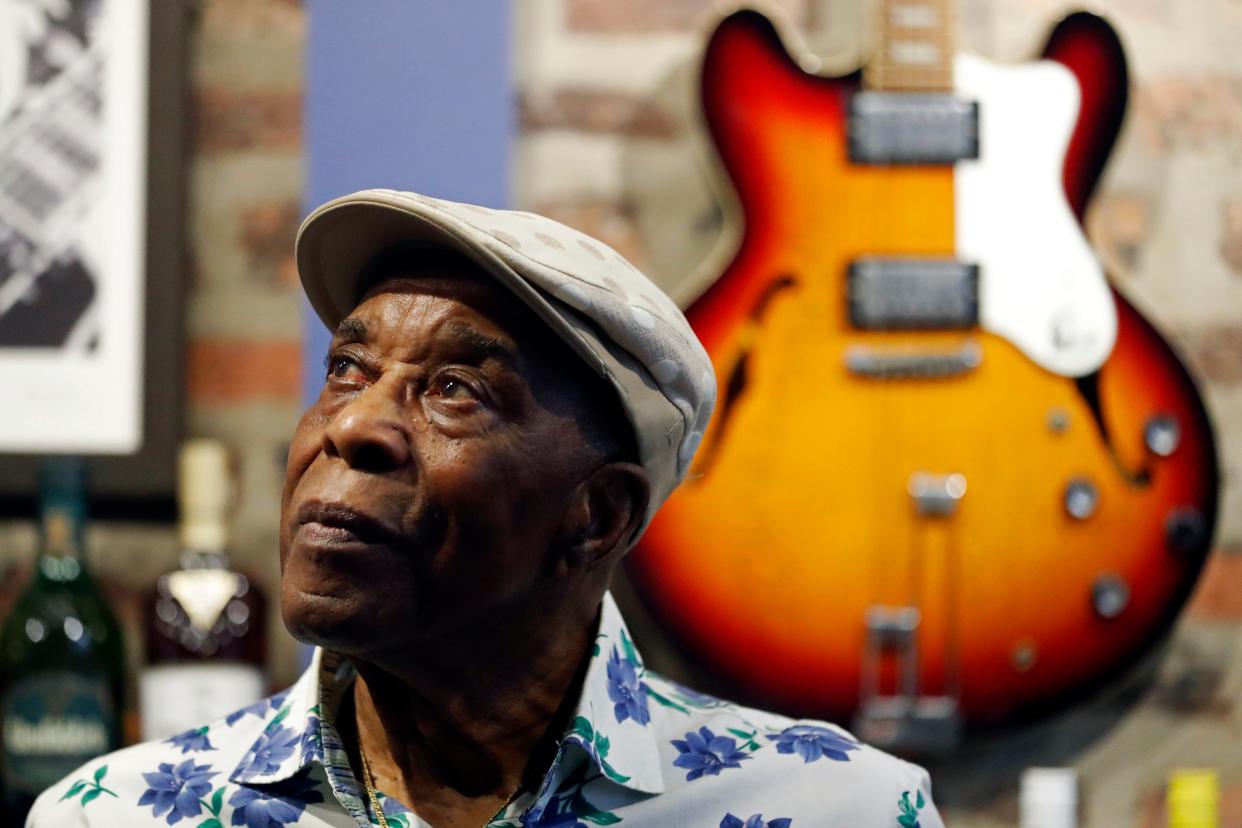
(800,518)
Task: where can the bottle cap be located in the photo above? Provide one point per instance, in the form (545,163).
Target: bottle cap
(204,494)
(62,483)
(63,475)
(62,504)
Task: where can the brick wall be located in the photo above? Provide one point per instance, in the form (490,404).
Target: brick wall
(244,327)
(243,322)
(610,143)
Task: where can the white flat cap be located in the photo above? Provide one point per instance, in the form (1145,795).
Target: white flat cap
(611,315)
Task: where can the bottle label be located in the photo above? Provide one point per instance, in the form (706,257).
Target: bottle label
(174,698)
(54,722)
(203,594)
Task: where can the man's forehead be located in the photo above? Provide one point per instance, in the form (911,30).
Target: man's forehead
(446,280)
(423,302)
(479,313)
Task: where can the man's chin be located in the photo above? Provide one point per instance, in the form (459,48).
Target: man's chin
(343,624)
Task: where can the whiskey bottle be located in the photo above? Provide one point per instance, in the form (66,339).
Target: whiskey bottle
(61,655)
(205,622)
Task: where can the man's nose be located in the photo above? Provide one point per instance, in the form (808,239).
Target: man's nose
(370,433)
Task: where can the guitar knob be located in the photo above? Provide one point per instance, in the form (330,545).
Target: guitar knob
(1058,420)
(1025,653)
(1082,498)
(1109,596)
(1162,435)
(1184,532)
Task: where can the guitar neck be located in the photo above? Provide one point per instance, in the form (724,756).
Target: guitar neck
(916,42)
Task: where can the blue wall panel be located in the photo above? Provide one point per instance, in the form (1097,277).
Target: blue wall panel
(406,94)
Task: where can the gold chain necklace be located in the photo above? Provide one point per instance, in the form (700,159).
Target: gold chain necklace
(372,794)
(369,782)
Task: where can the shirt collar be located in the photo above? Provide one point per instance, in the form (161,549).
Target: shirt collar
(610,724)
(612,721)
(290,739)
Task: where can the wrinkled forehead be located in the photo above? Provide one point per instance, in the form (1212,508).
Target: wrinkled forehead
(435,272)
(445,274)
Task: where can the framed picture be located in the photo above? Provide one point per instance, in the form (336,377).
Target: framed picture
(91,183)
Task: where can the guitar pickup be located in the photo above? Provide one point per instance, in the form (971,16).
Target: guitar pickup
(905,128)
(887,294)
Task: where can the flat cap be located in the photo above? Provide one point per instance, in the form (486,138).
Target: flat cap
(611,315)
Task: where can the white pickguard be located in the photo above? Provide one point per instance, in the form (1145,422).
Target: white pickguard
(1041,287)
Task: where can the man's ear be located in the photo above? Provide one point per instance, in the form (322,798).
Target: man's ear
(609,507)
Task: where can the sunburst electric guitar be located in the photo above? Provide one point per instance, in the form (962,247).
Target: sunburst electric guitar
(953,477)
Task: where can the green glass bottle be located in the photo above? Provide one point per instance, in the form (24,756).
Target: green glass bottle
(61,656)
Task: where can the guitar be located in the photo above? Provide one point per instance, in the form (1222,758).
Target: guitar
(954,478)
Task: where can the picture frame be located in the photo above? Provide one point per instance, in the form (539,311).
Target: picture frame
(95,367)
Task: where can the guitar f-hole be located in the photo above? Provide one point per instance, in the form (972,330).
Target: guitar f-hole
(738,373)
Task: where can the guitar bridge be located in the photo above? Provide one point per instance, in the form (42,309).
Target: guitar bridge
(892,363)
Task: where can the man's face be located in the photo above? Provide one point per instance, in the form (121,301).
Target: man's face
(428,483)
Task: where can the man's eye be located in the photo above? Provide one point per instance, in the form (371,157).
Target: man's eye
(453,388)
(342,367)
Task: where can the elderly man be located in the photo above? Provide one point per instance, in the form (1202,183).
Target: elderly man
(506,404)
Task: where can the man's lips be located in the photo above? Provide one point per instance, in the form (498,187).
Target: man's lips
(338,523)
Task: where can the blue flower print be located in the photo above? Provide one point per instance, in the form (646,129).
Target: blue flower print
(270,751)
(546,820)
(812,742)
(706,753)
(628,694)
(693,697)
(175,790)
(755,821)
(544,816)
(259,708)
(276,805)
(393,807)
(531,816)
(312,744)
(191,740)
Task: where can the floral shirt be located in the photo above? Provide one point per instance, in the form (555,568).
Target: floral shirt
(641,751)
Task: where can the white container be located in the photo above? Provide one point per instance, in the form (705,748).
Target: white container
(1048,798)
